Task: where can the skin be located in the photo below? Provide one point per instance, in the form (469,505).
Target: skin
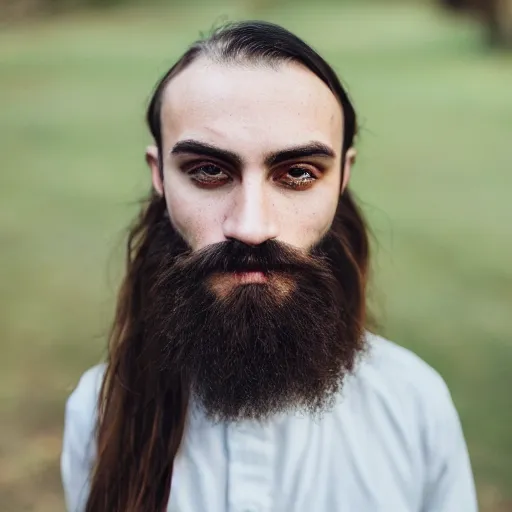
(257,193)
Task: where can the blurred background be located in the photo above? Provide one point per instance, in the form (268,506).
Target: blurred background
(432,84)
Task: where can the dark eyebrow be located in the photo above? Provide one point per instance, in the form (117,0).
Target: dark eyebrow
(194,147)
(317,149)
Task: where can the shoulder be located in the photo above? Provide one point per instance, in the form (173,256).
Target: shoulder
(412,396)
(388,367)
(80,419)
(395,387)
(83,400)
(400,405)
(405,396)
(78,446)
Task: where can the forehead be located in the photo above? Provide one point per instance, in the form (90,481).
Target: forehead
(250,106)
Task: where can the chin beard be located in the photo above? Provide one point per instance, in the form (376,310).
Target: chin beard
(249,351)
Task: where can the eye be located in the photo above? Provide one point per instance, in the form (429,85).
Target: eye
(209,175)
(298,177)
(297,173)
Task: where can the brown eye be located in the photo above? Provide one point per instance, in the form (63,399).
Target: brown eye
(298,178)
(299,174)
(207,170)
(209,175)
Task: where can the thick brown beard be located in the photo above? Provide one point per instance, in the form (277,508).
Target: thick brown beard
(254,352)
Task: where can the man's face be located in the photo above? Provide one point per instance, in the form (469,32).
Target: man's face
(250,153)
(259,315)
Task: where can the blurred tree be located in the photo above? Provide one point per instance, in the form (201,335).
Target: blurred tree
(495,14)
(499,14)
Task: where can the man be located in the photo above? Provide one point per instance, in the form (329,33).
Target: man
(241,375)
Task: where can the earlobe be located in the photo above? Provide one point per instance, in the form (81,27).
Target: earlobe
(152,160)
(350,158)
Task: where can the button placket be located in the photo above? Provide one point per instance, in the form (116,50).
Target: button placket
(250,466)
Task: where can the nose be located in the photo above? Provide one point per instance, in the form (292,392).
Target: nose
(251,219)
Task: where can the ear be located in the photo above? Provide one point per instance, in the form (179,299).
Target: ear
(350,159)
(153,163)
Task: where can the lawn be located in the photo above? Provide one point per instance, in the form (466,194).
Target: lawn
(433,173)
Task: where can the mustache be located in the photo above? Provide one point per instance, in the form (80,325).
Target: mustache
(234,256)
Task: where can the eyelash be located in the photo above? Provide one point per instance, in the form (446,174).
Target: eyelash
(207,181)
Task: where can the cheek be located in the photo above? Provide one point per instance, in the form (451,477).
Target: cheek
(195,220)
(309,218)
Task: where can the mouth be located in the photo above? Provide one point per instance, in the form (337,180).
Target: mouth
(250,276)
(277,283)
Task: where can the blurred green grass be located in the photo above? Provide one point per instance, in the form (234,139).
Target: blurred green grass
(433,173)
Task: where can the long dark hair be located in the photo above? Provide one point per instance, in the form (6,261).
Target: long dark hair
(140,425)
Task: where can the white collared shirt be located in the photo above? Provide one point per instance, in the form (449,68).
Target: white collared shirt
(392,443)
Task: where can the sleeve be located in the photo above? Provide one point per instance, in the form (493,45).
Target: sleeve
(78,442)
(450,486)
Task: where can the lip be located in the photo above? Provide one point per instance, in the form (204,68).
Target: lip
(251,276)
